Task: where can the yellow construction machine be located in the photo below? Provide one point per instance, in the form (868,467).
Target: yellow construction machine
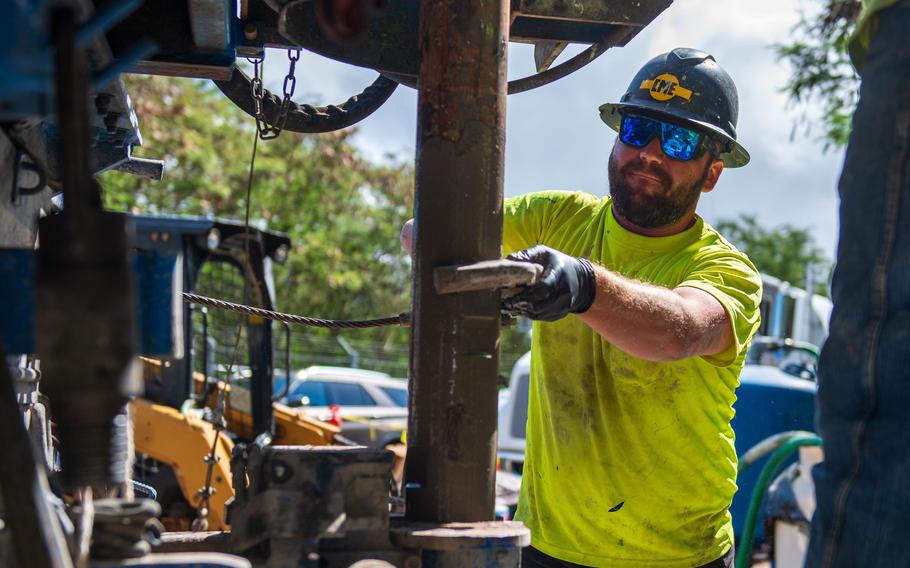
(218,388)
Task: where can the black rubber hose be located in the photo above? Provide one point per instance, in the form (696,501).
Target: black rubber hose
(307,118)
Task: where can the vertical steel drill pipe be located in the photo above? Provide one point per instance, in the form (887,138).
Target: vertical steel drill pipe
(450,471)
(84,294)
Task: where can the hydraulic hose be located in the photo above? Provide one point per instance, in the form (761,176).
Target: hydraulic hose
(768,445)
(786,444)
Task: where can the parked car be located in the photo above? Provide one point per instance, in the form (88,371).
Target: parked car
(372,407)
(797,358)
(513,416)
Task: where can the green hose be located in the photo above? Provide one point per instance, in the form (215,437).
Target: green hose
(798,439)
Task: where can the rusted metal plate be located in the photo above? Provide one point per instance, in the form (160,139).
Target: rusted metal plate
(178,69)
(389,40)
(485,275)
(618,12)
(546,52)
(532,30)
(581,22)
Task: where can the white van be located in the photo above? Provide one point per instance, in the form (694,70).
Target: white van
(513,417)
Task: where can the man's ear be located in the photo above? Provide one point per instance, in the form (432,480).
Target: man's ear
(714,171)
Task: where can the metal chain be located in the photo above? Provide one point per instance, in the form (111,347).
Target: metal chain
(258,91)
(266,131)
(290,84)
(402,319)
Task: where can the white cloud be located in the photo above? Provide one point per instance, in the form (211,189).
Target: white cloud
(555,139)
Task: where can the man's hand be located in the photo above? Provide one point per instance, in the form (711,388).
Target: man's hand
(567,286)
(407,237)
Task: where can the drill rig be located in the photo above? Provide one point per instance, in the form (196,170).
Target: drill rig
(73,311)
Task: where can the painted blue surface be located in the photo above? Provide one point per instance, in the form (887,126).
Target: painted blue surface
(26,62)
(25,59)
(154,275)
(17,303)
(155,296)
(769,401)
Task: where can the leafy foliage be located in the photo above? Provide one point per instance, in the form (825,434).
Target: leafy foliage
(784,252)
(342,212)
(821,68)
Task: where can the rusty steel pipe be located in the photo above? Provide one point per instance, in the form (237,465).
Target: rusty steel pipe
(450,468)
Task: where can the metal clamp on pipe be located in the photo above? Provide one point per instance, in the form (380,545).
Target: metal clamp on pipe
(506,275)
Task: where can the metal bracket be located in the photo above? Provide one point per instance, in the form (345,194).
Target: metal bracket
(486,275)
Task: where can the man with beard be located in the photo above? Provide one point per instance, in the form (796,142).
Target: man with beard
(630,459)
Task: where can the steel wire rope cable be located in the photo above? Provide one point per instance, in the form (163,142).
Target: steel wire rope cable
(402,319)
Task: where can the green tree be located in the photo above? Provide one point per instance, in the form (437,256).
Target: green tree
(785,252)
(821,71)
(342,211)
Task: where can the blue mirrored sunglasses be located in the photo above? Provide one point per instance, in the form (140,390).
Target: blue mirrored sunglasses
(677,142)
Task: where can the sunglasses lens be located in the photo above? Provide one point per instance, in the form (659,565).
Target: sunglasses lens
(678,142)
(638,131)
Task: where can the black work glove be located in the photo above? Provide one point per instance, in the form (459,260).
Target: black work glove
(567,285)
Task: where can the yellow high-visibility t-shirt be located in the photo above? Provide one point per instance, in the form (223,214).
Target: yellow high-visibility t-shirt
(629,462)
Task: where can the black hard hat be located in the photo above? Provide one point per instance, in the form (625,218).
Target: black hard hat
(686,85)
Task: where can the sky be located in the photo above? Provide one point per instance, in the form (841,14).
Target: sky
(555,139)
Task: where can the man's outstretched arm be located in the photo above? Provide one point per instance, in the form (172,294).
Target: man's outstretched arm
(643,320)
(647,321)
(656,323)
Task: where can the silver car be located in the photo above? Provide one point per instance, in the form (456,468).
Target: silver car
(372,407)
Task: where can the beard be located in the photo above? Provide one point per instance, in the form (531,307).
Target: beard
(646,210)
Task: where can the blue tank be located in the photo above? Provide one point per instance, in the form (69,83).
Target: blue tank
(768,401)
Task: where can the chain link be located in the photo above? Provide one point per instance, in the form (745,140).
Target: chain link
(258,92)
(267,131)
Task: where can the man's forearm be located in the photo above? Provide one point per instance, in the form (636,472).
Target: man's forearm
(656,323)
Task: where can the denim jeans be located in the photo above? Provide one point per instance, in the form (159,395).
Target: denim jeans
(863,486)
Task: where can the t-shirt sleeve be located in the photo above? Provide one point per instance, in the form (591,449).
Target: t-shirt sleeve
(730,277)
(523,222)
(533,218)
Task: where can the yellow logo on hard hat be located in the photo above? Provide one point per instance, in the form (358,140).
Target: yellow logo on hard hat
(665,87)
